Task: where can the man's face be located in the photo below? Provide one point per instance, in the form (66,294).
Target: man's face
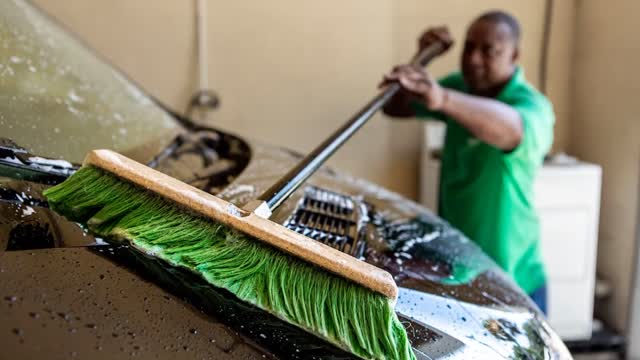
(489,56)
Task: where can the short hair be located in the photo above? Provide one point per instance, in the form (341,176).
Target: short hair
(502,17)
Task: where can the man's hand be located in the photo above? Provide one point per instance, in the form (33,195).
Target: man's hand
(438,34)
(415,82)
(420,84)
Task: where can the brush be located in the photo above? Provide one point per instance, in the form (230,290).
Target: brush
(302,281)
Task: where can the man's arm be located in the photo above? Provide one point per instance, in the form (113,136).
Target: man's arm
(489,120)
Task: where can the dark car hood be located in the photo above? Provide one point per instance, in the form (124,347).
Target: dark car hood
(446,282)
(454,301)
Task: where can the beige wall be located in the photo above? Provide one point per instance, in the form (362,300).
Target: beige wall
(291,71)
(606,129)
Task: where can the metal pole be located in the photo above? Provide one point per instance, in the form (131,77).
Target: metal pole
(201,32)
(290,182)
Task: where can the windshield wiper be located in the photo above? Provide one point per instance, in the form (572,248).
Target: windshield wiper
(18,163)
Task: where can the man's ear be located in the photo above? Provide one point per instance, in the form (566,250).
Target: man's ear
(516,54)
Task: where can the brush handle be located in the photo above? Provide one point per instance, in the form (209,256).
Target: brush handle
(280,191)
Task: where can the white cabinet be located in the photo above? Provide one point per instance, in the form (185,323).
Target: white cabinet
(568,201)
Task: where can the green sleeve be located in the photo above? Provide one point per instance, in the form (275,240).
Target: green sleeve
(536,113)
(451,81)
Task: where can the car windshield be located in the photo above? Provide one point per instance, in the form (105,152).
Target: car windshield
(54,91)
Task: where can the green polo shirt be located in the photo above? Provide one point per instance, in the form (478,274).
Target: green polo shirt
(488,193)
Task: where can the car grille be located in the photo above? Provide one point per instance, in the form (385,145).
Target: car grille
(334,219)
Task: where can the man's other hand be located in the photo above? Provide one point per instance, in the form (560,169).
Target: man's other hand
(420,84)
(438,34)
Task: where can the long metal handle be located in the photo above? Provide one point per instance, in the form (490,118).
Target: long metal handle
(290,182)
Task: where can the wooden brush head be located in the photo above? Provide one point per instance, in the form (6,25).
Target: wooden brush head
(224,212)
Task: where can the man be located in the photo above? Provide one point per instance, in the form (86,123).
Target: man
(498,130)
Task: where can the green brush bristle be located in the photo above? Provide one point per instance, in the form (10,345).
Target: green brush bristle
(346,314)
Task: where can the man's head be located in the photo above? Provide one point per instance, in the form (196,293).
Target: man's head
(490,52)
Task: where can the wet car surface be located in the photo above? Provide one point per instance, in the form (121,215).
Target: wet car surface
(66,294)
(453,299)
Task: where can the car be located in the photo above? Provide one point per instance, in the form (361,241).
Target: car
(67,294)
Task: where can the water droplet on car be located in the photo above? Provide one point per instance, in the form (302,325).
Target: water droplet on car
(73,96)
(73,110)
